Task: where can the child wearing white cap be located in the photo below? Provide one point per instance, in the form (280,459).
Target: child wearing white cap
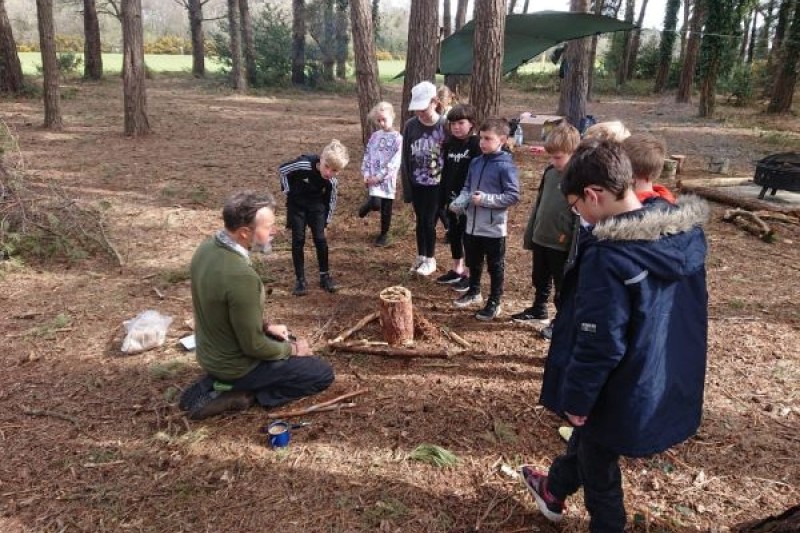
(423,137)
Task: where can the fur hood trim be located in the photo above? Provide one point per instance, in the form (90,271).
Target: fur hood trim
(691,211)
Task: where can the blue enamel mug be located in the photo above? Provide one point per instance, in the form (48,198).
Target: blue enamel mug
(279,434)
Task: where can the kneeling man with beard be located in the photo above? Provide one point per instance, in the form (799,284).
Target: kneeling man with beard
(246,358)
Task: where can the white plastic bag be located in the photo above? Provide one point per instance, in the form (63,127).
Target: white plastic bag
(148,330)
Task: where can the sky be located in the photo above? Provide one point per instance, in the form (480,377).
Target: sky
(654,16)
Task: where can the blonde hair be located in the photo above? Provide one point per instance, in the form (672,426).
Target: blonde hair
(444,97)
(381,107)
(647,153)
(614,131)
(563,138)
(335,155)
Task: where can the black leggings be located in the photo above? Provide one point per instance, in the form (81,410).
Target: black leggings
(457,225)
(313,217)
(425,199)
(384,205)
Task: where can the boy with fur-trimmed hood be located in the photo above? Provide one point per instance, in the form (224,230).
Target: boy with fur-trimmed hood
(627,361)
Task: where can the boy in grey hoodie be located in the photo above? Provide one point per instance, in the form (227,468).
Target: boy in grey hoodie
(490,189)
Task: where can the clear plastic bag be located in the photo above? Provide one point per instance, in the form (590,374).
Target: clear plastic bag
(148,330)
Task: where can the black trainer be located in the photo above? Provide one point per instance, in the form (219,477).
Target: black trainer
(530,314)
(215,403)
(449,278)
(382,240)
(194,392)
(327,283)
(300,288)
(461,285)
(490,311)
(365,208)
(546,332)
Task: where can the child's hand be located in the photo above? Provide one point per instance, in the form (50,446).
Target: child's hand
(537,150)
(477,196)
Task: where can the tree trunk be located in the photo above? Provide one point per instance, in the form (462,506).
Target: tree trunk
(745,37)
(598,10)
(773,59)
(369,91)
(11,79)
(133,70)
(342,38)
(421,60)
(298,42)
(785,83)
(751,48)
(248,42)
(622,73)
(47,44)
(512,5)
(637,41)
(461,14)
(525,7)
(687,8)
(328,41)
(572,101)
(684,94)
(487,65)
(238,80)
(397,315)
(92,53)
(762,44)
(195,8)
(447,19)
(666,45)
(708,96)
(376,19)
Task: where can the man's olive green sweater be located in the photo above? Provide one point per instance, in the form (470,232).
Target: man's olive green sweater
(228,302)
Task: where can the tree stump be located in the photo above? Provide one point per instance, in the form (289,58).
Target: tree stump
(680,158)
(397,315)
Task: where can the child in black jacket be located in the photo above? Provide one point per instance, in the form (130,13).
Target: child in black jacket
(310,186)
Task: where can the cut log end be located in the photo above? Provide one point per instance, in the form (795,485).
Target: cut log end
(397,315)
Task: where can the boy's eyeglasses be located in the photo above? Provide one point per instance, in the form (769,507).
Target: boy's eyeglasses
(573,208)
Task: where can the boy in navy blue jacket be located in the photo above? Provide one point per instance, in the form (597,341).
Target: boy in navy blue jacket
(627,361)
(490,189)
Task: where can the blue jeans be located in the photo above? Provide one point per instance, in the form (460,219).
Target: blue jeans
(275,383)
(596,468)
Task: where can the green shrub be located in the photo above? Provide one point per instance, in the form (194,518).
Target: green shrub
(68,63)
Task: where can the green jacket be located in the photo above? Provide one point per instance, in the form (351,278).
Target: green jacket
(228,304)
(551,223)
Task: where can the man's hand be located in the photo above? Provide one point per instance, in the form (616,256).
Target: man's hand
(277,331)
(477,196)
(575,420)
(300,348)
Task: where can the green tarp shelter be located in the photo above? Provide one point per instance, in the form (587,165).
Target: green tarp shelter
(526,37)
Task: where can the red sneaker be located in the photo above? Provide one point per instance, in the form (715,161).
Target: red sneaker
(536,483)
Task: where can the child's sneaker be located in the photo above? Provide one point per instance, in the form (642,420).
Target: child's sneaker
(546,332)
(382,240)
(536,483)
(490,311)
(529,315)
(448,279)
(327,283)
(462,285)
(427,267)
(469,298)
(300,288)
(417,263)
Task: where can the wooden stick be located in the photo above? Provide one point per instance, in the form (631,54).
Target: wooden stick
(750,222)
(458,339)
(360,324)
(714,182)
(54,414)
(387,351)
(780,217)
(317,406)
(300,412)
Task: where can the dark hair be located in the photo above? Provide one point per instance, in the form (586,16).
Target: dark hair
(241,208)
(601,163)
(461,112)
(498,125)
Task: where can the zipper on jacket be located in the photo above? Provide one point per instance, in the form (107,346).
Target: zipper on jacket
(475,207)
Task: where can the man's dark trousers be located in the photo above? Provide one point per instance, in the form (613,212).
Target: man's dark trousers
(275,383)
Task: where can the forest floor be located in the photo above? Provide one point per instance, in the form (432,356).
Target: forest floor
(91,440)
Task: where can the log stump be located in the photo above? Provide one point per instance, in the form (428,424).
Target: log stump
(680,158)
(397,315)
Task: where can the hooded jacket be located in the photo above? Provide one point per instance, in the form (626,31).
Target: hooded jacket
(496,177)
(630,337)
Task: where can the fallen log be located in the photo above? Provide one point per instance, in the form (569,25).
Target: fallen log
(359,325)
(388,351)
(751,223)
(716,195)
(713,182)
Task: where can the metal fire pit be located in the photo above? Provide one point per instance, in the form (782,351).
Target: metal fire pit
(778,171)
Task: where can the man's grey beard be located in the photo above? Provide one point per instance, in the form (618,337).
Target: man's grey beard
(264,249)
